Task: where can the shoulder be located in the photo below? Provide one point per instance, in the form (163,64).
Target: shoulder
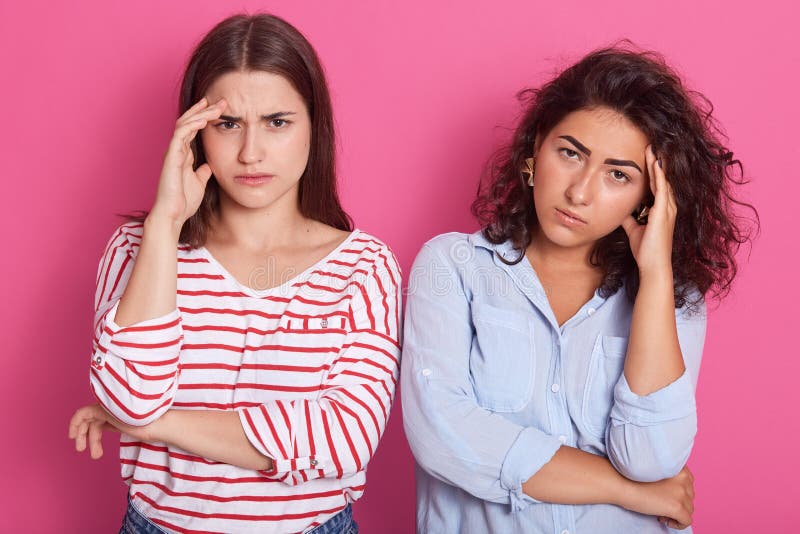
(126,238)
(443,242)
(457,249)
(368,254)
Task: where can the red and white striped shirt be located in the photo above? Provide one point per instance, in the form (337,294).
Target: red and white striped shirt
(310,366)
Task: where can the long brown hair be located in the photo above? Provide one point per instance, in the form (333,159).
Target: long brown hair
(679,123)
(266,43)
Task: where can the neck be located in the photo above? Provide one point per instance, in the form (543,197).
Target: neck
(543,253)
(275,226)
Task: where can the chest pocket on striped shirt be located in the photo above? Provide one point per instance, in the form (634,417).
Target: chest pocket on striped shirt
(605,368)
(290,361)
(502,358)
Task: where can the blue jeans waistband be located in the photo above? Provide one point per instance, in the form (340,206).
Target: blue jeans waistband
(135,522)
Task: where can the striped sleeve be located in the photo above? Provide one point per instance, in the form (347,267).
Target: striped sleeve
(134,370)
(335,435)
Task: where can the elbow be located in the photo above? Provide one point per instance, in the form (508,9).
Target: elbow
(437,459)
(356,463)
(649,458)
(649,471)
(143,417)
(128,408)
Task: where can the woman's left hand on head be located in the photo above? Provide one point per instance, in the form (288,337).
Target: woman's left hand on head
(88,423)
(651,243)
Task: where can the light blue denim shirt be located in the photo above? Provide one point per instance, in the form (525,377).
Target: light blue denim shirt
(492,386)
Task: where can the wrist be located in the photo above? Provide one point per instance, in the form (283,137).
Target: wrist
(163,225)
(657,274)
(159,429)
(628,494)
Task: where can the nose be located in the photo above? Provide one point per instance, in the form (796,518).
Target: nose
(581,188)
(252,150)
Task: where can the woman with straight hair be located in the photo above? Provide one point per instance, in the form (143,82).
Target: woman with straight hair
(246,336)
(551,359)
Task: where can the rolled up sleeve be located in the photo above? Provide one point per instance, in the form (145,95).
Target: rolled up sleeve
(451,436)
(650,437)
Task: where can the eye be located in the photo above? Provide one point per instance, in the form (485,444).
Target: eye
(278,123)
(569,153)
(226,125)
(620,176)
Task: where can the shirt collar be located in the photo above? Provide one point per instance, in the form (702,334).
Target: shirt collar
(505,249)
(526,279)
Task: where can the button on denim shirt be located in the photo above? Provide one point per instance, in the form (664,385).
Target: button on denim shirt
(492,386)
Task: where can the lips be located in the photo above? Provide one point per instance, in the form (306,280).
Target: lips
(569,216)
(253,179)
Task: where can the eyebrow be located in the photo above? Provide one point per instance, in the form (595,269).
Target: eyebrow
(577,144)
(610,161)
(623,163)
(270,117)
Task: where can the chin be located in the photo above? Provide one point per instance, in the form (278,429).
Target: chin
(254,203)
(564,237)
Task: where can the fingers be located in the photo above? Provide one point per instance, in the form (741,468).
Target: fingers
(74,422)
(203,172)
(186,132)
(194,120)
(690,486)
(650,161)
(200,104)
(86,428)
(95,439)
(205,113)
(78,426)
(80,435)
(671,523)
(630,225)
(659,185)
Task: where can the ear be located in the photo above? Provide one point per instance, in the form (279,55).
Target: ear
(537,143)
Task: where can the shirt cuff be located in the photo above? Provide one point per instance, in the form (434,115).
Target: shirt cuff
(530,451)
(259,435)
(673,401)
(155,340)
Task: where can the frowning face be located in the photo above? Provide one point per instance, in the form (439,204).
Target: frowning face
(258,149)
(590,175)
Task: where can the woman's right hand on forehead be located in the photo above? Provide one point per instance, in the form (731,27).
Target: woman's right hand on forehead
(181,187)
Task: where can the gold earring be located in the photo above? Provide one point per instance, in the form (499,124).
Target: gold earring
(529,170)
(642,216)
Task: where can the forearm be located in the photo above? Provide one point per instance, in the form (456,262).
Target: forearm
(152,288)
(574,476)
(215,435)
(654,357)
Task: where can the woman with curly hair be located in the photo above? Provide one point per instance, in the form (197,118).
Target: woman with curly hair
(551,359)
(246,336)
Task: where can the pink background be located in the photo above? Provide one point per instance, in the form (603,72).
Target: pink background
(423,94)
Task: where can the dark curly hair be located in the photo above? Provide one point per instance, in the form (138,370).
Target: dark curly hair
(702,171)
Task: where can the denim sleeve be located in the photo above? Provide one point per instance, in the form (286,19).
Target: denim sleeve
(451,436)
(650,437)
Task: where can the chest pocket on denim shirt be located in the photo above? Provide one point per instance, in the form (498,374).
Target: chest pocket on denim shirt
(502,358)
(605,368)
